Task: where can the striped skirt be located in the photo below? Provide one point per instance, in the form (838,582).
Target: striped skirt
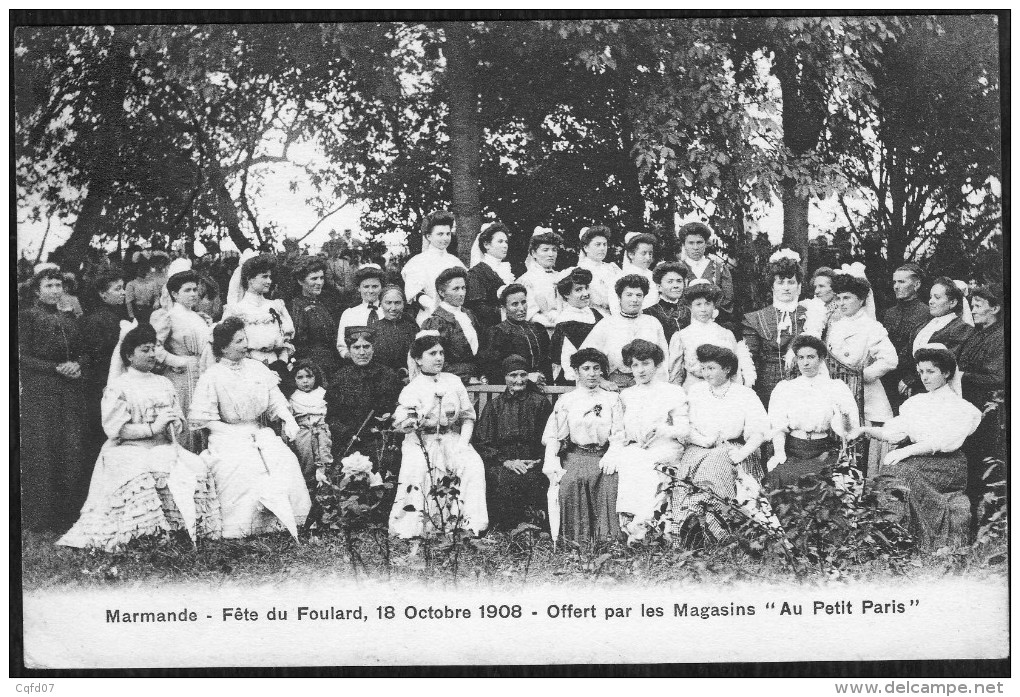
(935,507)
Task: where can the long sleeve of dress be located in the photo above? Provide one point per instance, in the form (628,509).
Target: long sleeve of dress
(115,411)
(726,284)
(205,406)
(745,364)
(939,421)
(27,342)
(756,420)
(556,428)
(675,359)
(286,323)
(163,324)
(486,434)
(881,353)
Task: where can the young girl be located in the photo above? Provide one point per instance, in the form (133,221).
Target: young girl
(308,403)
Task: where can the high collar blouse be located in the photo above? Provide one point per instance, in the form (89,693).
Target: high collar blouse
(422,270)
(585,417)
(737,414)
(809,404)
(941,420)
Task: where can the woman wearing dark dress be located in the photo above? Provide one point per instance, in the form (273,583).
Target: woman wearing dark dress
(458,328)
(314,326)
(359,387)
(951,326)
(516,335)
(489,274)
(100,330)
(574,322)
(395,331)
(509,439)
(54,471)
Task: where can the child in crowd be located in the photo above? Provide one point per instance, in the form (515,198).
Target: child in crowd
(313,444)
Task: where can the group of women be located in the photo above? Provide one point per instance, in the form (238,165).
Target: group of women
(226,430)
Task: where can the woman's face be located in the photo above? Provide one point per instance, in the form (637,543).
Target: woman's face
(305,380)
(440,236)
(516,381)
(517,307)
(580,296)
(630,300)
(114,293)
(671,287)
(714,374)
(432,361)
(694,246)
(644,370)
(589,374)
(498,246)
(187,295)
(597,248)
(50,290)
(454,292)
(237,348)
(702,310)
(931,376)
(261,283)
(985,314)
(939,303)
(808,361)
(642,256)
(785,290)
(311,285)
(369,290)
(143,358)
(545,255)
(361,351)
(392,305)
(849,304)
(823,289)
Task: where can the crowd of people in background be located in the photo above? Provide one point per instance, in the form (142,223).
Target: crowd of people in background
(212,397)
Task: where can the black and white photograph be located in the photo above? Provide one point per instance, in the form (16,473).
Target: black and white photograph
(510,339)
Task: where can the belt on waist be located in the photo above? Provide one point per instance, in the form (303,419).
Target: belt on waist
(809,435)
(594,449)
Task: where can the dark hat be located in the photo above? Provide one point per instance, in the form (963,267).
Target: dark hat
(352,334)
(513,362)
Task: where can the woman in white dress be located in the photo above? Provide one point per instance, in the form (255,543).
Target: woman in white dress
(638,258)
(182,342)
(653,430)
(144,483)
(684,367)
(728,426)
(540,279)
(436,414)
(931,470)
(258,478)
(807,413)
(267,322)
(594,248)
(421,270)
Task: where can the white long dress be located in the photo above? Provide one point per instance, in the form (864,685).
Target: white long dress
(183,338)
(544,303)
(658,405)
(257,476)
(442,405)
(267,325)
(420,274)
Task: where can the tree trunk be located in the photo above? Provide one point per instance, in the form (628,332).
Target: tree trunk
(465,135)
(106,163)
(225,207)
(795,220)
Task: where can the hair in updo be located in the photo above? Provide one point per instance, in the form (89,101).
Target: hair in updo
(590,355)
(952,292)
(577,277)
(703,291)
(224,332)
(435,219)
(640,238)
(823,271)
(421,344)
(312,367)
(593,232)
(43,275)
(669,267)
(255,266)
(845,283)
(990,293)
(367,272)
(726,359)
(544,238)
(700,229)
(631,280)
(447,275)
(511,289)
(642,350)
(485,238)
(941,358)
(785,268)
(177,281)
(139,336)
(307,266)
(809,341)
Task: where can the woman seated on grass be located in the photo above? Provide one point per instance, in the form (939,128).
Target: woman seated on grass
(144,483)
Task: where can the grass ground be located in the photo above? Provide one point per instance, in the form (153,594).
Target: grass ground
(499,559)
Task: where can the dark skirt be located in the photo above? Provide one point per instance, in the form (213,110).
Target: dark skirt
(510,495)
(771,372)
(587,498)
(803,458)
(935,507)
(54,473)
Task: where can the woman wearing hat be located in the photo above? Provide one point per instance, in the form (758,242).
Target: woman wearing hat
(574,322)
(931,470)
(54,473)
(488,273)
(362,386)
(368,281)
(435,413)
(541,277)
(516,335)
(594,249)
(509,439)
(266,321)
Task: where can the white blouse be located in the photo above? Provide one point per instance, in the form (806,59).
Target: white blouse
(627,269)
(653,405)
(182,334)
(439,400)
(863,343)
(465,325)
(544,303)
(603,276)
(267,325)
(308,403)
(737,414)
(616,331)
(420,274)
(941,419)
(683,352)
(810,404)
(586,417)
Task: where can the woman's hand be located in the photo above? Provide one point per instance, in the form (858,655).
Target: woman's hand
(291,429)
(649,438)
(608,466)
(537,378)
(320,475)
(895,456)
(737,455)
(904,388)
(775,461)
(516,466)
(609,385)
(552,469)
(855,433)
